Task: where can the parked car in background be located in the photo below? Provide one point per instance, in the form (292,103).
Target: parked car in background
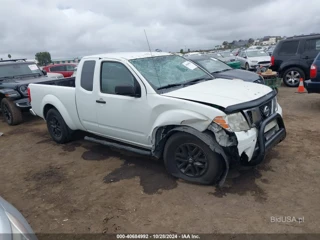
(313,84)
(235,51)
(12,224)
(219,69)
(55,75)
(250,59)
(227,58)
(293,57)
(199,125)
(66,69)
(74,72)
(15,76)
(271,49)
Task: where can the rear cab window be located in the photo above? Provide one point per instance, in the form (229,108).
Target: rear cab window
(57,68)
(289,48)
(87,75)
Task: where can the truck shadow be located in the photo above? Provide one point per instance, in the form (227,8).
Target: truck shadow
(246,180)
(152,173)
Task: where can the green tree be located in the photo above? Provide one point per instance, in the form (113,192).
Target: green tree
(43,58)
(9,56)
(225,43)
(251,40)
(181,50)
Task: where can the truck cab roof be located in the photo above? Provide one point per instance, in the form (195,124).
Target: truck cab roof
(128,55)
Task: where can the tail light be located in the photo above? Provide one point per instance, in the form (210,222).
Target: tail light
(272,60)
(29,95)
(313,71)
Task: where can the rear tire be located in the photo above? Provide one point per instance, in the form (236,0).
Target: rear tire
(291,76)
(57,127)
(189,158)
(11,113)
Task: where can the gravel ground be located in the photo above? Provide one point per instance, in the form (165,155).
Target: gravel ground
(83,187)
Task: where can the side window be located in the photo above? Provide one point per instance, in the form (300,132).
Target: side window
(312,45)
(116,74)
(70,68)
(57,68)
(289,48)
(87,75)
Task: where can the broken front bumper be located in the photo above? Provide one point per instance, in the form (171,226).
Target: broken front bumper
(253,144)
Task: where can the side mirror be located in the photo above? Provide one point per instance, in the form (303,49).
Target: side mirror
(126,90)
(245,57)
(44,72)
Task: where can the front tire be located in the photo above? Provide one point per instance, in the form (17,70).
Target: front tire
(58,129)
(247,67)
(12,114)
(189,158)
(291,76)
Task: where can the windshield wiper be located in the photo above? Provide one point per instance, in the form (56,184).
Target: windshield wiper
(170,85)
(197,80)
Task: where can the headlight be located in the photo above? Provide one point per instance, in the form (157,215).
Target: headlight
(24,90)
(232,122)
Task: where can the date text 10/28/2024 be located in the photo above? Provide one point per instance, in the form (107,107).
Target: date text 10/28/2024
(158,236)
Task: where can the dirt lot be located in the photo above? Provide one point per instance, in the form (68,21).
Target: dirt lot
(82,187)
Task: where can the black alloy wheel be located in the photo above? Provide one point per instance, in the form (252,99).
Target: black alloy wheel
(191,160)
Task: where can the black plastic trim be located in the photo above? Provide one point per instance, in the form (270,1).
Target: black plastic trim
(264,145)
(250,104)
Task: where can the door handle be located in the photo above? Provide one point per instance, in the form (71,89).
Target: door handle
(101,101)
(306,57)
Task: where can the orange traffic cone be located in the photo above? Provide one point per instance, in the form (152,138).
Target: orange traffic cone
(301,86)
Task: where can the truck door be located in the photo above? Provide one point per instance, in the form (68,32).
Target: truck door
(86,97)
(122,115)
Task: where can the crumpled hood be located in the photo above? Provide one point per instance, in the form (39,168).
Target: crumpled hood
(221,92)
(260,59)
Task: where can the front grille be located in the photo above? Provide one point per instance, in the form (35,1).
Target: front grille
(255,115)
(266,110)
(232,60)
(264,62)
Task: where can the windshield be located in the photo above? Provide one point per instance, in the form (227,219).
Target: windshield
(166,70)
(256,53)
(12,70)
(213,65)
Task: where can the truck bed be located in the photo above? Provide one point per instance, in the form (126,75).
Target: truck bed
(66,82)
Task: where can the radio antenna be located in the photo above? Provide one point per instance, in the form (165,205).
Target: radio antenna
(154,65)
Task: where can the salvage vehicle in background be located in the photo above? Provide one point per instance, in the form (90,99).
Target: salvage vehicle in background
(227,58)
(250,59)
(66,69)
(12,224)
(293,57)
(55,75)
(164,106)
(313,84)
(219,69)
(15,75)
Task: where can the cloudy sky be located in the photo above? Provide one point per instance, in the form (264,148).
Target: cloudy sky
(70,28)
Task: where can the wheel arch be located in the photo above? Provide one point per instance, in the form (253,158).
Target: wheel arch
(284,68)
(163,133)
(50,102)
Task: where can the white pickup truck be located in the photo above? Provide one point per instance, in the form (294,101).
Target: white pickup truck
(165,106)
